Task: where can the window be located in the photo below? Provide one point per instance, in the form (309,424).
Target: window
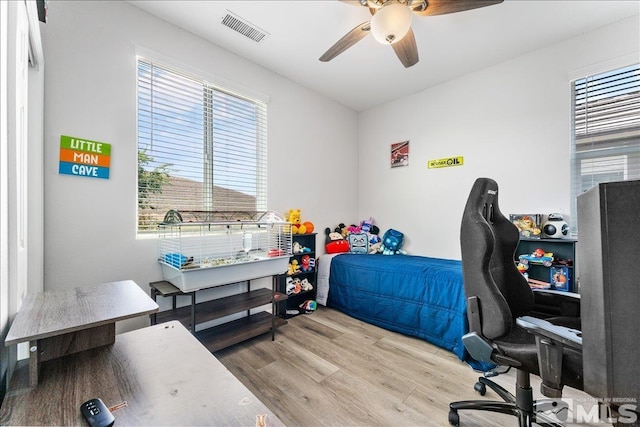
(605,143)
(201,149)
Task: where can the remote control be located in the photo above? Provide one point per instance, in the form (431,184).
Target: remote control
(97,413)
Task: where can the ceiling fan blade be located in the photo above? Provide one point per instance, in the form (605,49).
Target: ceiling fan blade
(348,40)
(407,50)
(442,7)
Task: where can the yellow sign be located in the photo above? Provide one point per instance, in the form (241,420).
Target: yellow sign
(445,163)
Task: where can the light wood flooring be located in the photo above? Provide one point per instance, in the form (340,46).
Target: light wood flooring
(329,369)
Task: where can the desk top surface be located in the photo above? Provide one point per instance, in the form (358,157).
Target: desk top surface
(163,373)
(51,313)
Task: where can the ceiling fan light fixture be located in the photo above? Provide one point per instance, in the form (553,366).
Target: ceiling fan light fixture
(391,23)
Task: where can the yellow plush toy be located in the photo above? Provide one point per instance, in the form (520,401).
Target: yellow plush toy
(293,216)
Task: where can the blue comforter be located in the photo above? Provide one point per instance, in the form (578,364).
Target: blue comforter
(418,296)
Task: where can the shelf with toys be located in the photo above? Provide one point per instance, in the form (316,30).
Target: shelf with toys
(547,263)
(299,282)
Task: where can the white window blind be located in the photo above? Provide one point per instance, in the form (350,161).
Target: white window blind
(606,130)
(201,149)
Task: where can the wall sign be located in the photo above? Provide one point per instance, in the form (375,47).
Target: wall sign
(445,163)
(400,154)
(84,158)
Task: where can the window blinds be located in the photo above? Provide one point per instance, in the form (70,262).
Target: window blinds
(606,130)
(201,149)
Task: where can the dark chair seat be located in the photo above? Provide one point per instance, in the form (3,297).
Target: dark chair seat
(520,345)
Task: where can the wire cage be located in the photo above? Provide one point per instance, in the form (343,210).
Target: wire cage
(204,254)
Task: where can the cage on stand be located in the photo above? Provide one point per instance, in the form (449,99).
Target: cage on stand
(196,255)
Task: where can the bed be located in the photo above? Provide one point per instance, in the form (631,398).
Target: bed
(414,295)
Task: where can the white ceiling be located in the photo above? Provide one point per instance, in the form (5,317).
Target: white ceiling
(369,73)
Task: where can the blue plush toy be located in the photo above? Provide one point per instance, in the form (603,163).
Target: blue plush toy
(392,242)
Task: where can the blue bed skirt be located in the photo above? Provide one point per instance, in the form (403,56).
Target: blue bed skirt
(418,296)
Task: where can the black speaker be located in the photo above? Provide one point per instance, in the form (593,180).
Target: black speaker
(608,255)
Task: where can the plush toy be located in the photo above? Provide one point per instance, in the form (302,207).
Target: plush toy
(309,306)
(293,216)
(294,267)
(353,229)
(392,242)
(366,224)
(334,242)
(298,248)
(375,248)
(305,285)
(358,243)
(374,237)
(293,286)
(342,229)
(305,262)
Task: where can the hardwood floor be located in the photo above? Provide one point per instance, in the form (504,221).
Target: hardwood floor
(328,369)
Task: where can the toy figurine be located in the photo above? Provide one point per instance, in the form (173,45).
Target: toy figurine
(305,262)
(392,242)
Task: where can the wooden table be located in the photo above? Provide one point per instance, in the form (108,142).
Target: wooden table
(163,373)
(62,322)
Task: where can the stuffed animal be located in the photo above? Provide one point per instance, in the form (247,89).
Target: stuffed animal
(334,242)
(358,243)
(375,248)
(293,286)
(305,285)
(392,242)
(374,237)
(293,216)
(294,267)
(299,249)
(353,229)
(342,229)
(366,224)
(305,262)
(309,306)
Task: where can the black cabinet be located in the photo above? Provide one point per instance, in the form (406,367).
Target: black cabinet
(556,273)
(300,281)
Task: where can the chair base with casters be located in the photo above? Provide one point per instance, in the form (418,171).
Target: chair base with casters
(522,405)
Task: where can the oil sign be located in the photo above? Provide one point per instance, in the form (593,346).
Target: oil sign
(445,163)
(84,158)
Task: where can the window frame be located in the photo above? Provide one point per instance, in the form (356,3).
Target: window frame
(603,147)
(218,87)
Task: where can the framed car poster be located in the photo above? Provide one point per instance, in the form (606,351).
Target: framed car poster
(400,154)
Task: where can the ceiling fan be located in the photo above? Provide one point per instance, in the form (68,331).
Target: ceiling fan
(391,24)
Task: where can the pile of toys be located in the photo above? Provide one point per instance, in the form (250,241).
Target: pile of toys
(363,239)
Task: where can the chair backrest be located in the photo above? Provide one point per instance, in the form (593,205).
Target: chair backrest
(488,243)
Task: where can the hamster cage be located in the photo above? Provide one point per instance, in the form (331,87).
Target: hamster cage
(196,255)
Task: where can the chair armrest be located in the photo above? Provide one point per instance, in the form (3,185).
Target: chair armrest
(550,341)
(567,336)
(552,303)
(569,296)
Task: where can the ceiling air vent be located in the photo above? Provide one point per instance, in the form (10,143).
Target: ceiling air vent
(243,27)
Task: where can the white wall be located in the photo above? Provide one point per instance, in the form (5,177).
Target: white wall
(511,122)
(90,92)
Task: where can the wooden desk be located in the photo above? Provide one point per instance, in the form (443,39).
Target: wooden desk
(163,373)
(58,323)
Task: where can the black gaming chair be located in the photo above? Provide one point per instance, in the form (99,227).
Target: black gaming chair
(499,308)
